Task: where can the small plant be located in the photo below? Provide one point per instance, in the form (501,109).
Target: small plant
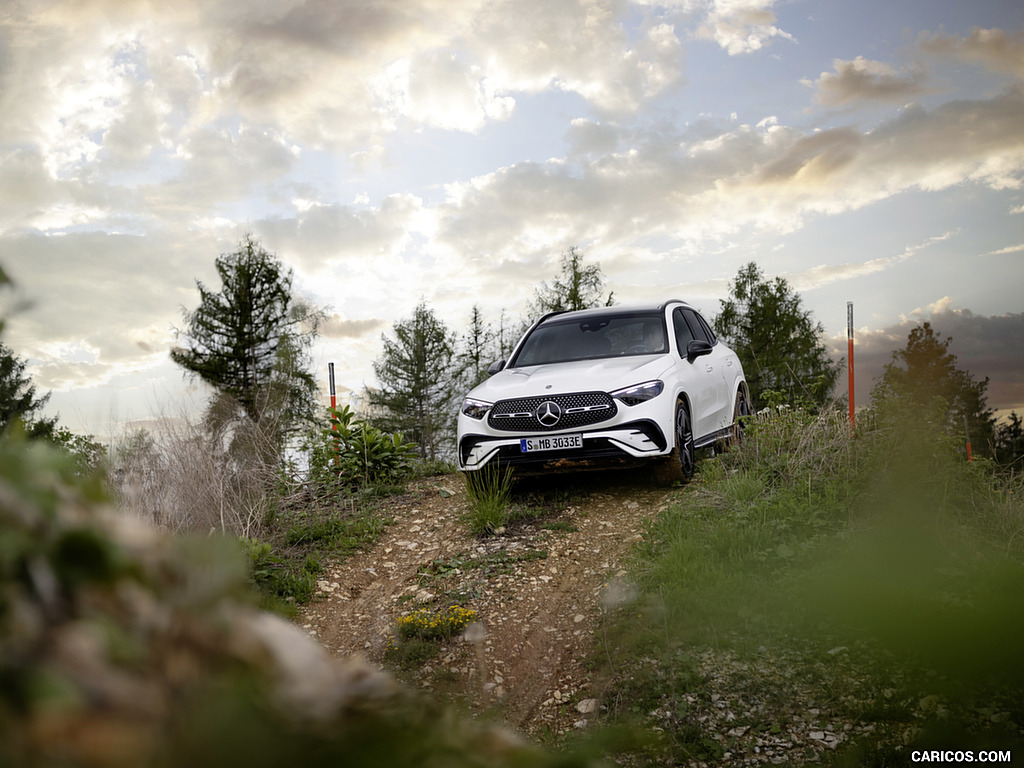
(262,560)
(418,634)
(489,491)
(357,454)
(275,580)
(433,625)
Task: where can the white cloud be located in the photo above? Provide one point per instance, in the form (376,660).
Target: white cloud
(865,80)
(1009,249)
(768,177)
(822,275)
(741,26)
(591,137)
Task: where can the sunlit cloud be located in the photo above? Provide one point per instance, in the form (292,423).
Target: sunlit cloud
(996,49)
(741,26)
(450,150)
(865,80)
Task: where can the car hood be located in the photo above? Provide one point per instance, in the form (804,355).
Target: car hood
(605,375)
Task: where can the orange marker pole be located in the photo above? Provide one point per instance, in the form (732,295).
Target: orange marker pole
(334,424)
(849,355)
(330,373)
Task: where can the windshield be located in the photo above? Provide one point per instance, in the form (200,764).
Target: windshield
(613,335)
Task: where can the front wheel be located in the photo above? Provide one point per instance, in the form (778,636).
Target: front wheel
(679,466)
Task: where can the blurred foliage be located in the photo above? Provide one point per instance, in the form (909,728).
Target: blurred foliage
(883,551)
(122,646)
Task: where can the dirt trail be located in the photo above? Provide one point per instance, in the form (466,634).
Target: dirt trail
(538,589)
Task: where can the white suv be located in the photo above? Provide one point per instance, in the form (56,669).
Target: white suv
(610,386)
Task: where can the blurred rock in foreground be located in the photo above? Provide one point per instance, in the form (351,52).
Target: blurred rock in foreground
(121,646)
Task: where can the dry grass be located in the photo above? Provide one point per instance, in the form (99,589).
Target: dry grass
(187,477)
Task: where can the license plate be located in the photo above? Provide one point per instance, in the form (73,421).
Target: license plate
(552,443)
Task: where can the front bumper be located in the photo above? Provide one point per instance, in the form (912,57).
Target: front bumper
(607,445)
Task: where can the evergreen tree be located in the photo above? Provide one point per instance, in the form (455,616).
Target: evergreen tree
(925,373)
(417,373)
(250,340)
(1009,440)
(18,399)
(578,286)
(479,346)
(777,341)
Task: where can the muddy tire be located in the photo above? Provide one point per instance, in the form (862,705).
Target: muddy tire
(679,466)
(741,412)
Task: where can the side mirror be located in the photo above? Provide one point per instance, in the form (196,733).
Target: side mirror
(494,367)
(697,348)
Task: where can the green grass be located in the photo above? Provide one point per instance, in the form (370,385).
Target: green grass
(489,494)
(497,499)
(284,568)
(880,570)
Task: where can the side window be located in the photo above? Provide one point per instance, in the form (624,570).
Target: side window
(707,328)
(698,328)
(683,333)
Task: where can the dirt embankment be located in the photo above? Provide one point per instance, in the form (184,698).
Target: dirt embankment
(538,589)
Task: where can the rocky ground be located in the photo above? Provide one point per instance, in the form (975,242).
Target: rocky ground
(538,589)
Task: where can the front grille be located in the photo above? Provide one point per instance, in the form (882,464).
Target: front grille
(577,410)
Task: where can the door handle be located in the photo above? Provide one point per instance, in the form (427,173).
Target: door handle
(709,368)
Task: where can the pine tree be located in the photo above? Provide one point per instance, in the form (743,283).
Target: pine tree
(577,286)
(248,340)
(417,373)
(479,347)
(778,342)
(924,373)
(18,399)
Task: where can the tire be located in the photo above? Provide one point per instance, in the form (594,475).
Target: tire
(739,415)
(679,466)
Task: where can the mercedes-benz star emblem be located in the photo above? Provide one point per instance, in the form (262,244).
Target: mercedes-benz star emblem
(548,413)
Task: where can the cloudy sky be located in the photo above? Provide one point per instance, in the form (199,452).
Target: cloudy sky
(449,150)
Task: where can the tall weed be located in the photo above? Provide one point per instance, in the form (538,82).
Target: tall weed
(489,492)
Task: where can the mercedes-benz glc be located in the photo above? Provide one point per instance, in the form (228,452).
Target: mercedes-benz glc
(606,387)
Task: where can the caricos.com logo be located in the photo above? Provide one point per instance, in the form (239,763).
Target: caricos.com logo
(960,756)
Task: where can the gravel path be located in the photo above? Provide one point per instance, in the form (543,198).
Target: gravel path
(538,589)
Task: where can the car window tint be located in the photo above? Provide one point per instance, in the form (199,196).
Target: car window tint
(699,329)
(707,328)
(683,333)
(597,336)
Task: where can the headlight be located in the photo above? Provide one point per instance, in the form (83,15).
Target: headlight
(475,409)
(639,393)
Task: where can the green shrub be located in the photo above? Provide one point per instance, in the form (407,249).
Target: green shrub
(355,454)
(276,579)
